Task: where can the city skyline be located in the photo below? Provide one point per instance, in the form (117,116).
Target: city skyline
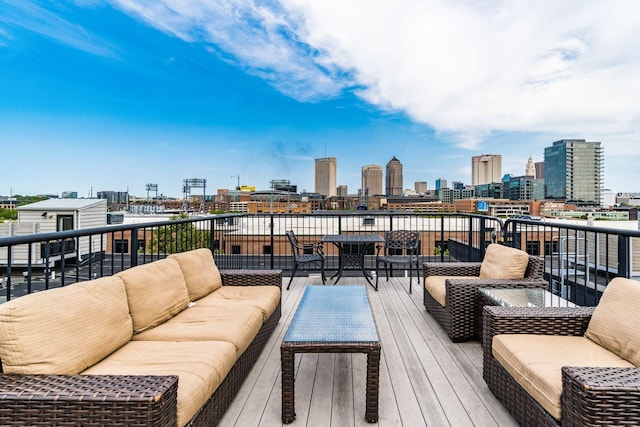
(113,95)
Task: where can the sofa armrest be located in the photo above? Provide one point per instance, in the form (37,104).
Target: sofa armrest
(251,278)
(132,400)
(600,396)
(451,269)
(570,321)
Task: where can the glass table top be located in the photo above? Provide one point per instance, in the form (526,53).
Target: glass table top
(333,314)
(525,298)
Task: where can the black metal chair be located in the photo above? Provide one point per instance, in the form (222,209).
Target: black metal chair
(305,253)
(401,247)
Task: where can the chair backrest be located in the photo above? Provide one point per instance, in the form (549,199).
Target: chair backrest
(293,240)
(404,241)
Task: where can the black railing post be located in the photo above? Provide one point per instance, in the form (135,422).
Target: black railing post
(623,256)
(470,240)
(483,232)
(9,251)
(271,241)
(442,246)
(134,247)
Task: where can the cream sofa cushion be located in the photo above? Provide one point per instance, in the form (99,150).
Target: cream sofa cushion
(536,361)
(265,298)
(615,323)
(200,272)
(436,286)
(502,262)
(200,366)
(156,292)
(237,324)
(64,330)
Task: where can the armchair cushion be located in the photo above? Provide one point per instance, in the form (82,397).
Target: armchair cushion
(502,262)
(615,322)
(200,272)
(535,362)
(437,288)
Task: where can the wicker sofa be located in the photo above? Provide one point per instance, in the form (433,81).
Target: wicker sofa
(162,344)
(567,366)
(450,288)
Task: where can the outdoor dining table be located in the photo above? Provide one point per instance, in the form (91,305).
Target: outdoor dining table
(349,259)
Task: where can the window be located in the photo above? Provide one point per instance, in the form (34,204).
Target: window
(235,249)
(64,222)
(551,247)
(121,246)
(266,250)
(533,248)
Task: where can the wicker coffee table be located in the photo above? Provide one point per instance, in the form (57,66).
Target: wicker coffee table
(332,319)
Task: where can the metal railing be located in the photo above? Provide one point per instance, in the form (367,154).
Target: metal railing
(579,260)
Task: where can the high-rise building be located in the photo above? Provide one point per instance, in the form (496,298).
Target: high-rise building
(441,183)
(539,170)
(342,191)
(573,171)
(325,182)
(457,185)
(530,169)
(486,168)
(372,179)
(420,186)
(522,188)
(394,177)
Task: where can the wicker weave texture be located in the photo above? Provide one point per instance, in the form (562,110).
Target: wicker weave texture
(460,315)
(591,396)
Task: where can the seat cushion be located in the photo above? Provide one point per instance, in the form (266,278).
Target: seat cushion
(200,366)
(64,330)
(536,361)
(436,287)
(156,292)
(237,324)
(503,262)
(200,272)
(615,322)
(265,298)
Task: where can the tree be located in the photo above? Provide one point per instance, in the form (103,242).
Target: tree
(178,237)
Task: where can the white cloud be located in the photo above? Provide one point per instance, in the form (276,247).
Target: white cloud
(467,68)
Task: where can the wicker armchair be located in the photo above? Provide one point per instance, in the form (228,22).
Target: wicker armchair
(459,316)
(591,396)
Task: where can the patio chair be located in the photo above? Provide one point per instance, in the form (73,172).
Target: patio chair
(569,366)
(401,247)
(450,288)
(304,254)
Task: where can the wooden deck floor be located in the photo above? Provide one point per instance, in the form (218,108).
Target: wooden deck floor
(425,379)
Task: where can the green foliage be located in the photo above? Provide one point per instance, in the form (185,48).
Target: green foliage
(177,238)
(437,251)
(8,214)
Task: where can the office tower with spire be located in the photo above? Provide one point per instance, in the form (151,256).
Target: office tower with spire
(394,177)
(325,176)
(530,169)
(573,172)
(486,169)
(372,180)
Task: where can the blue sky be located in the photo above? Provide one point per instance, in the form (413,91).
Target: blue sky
(111,95)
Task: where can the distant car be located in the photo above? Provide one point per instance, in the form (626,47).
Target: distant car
(529,217)
(363,207)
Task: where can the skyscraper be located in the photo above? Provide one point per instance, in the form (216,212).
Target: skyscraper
(539,170)
(441,183)
(394,177)
(530,169)
(486,168)
(325,181)
(420,186)
(372,179)
(573,171)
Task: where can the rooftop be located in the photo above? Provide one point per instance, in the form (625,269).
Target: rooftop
(425,379)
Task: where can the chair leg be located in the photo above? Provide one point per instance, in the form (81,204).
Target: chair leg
(410,277)
(293,273)
(377,275)
(324,279)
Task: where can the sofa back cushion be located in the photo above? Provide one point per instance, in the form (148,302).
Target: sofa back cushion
(64,330)
(503,262)
(615,322)
(156,292)
(200,272)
